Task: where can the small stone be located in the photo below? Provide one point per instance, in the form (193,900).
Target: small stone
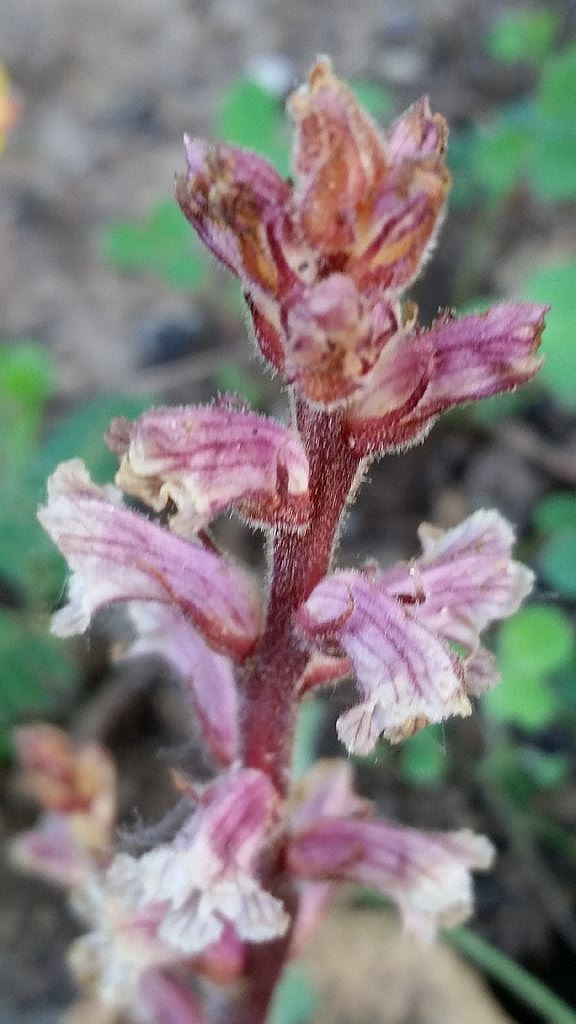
(167,339)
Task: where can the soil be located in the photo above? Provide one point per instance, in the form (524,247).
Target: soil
(107,90)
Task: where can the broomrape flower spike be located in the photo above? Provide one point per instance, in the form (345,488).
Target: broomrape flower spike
(199,924)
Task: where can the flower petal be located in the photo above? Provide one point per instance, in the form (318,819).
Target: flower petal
(408,675)
(117,555)
(204,877)
(426,874)
(203,459)
(465,578)
(207,677)
(231,196)
(407,210)
(335,337)
(464,360)
(339,157)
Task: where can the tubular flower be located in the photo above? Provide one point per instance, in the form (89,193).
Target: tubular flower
(202,459)
(117,555)
(423,373)
(205,877)
(396,627)
(426,874)
(76,789)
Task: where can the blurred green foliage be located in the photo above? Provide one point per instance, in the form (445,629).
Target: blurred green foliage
(523,35)
(37,671)
(556,285)
(161,243)
(531,141)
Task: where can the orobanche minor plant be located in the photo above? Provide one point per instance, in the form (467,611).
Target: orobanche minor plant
(198,927)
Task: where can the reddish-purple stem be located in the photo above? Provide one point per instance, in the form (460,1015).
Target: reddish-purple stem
(298,562)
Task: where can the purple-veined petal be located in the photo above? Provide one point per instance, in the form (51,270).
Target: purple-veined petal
(417,134)
(380,416)
(203,459)
(426,874)
(470,358)
(408,208)
(334,339)
(231,196)
(205,878)
(207,677)
(326,791)
(118,555)
(338,157)
(465,578)
(407,675)
(483,354)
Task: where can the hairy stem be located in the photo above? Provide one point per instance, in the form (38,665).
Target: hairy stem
(299,560)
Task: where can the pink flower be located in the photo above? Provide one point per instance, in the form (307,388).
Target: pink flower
(426,874)
(323,265)
(317,261)
(207,677)
(396,627)
(422,373)
(118,555)
(206,876)
(76,789)
(203,459)
(113,958)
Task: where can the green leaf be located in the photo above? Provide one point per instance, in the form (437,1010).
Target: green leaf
(423,759)
(163,243)
(251,117)
(523,700)
(500,155)
(547,769)
(557,89)
(558,561)
(295,999)
(545,1004)
(523,35)
(552,166)
(26,384)
(539,639)
(28,559)
(26,373)
(555,511)
(556,285)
